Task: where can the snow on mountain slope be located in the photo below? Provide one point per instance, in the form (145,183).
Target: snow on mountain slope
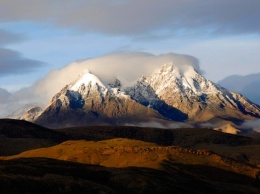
(176,93)
(87,78)
(184,89)
(89,101)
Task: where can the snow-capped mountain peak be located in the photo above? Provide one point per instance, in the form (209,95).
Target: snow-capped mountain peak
(178,93)
(184,75)
(185,78)
(185,89)
(88,100)
(179,71)
(87,79)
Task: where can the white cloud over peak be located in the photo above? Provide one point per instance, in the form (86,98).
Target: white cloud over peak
(127,67)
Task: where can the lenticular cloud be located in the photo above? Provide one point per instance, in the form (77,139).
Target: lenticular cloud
(127,67)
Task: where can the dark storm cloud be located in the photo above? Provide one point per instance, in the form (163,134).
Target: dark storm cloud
(135,17)
(12,62)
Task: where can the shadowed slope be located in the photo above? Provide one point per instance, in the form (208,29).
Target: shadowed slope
(192,176)
(52,176)
(17,136)
(188,137)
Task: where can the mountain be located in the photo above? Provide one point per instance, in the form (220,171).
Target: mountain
(89,101)
(175,93)
(27,112)
(184,89)
(31,114)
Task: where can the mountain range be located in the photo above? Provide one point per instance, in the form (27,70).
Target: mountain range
(171,94)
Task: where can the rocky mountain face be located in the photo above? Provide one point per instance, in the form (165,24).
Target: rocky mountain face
(31,114)
(89,101)
(170,93)
(196,98)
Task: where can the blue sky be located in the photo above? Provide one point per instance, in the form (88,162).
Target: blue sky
(37,36)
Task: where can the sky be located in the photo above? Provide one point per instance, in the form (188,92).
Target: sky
(41,37)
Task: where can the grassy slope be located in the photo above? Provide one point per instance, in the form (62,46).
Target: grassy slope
(126,153)
(244,149)
(18,136)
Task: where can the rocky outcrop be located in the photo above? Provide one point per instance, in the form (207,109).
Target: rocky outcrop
(31,114)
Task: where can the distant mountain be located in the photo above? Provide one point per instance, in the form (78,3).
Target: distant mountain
(31,114)
(247,85)
(27,112)
(171,93)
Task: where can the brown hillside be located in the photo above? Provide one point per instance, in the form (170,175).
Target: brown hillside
(127,153)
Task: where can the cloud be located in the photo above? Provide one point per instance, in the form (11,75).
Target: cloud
(160,124)
(252,124)
(7,37)
(135,17)
(127,67)
(4,95)
(10,102)
(4,100)
(12,62)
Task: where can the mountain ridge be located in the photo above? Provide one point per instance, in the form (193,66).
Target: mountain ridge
(171,93)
